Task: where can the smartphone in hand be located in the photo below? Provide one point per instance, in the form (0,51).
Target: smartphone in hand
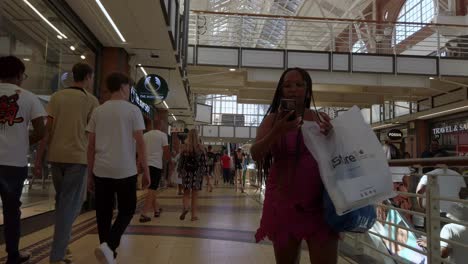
(288,105)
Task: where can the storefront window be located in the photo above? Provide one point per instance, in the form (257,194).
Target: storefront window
(48,54)
(452,136)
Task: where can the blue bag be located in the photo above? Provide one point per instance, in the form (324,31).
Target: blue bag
(357,221)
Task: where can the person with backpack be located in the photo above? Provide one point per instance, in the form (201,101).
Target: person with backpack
(192,168)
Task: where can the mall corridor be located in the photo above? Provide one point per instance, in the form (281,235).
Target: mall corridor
(224,234)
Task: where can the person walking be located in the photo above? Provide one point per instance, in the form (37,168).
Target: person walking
(210,162)
(192,168)
(238,161)
(293,206)
(68,113)
(115,138)
(226,164)
(18,107)
(157,150)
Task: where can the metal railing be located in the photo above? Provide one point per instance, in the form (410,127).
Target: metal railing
(402,220)
(327,34)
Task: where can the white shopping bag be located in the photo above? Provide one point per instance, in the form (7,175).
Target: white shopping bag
(353,167)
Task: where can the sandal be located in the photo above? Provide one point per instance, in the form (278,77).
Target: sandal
(182,216)
(144,219)
(158,213)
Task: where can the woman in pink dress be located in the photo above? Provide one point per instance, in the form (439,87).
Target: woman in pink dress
(292,210)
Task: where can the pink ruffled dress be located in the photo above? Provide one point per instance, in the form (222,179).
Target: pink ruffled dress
(293,199)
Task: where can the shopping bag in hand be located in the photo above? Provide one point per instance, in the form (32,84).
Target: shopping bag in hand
(353,167)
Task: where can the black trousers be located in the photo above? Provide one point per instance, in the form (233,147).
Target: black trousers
(226,175)
(11,186)
(106,189)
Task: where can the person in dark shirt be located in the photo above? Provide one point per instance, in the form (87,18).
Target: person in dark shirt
(434,148)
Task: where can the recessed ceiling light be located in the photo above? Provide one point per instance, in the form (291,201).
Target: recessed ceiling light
(431,78)
(139,64)
(232,69)
(116,29)
(43,18)
(59,37)
(83,57)
(72,48)
(26,59)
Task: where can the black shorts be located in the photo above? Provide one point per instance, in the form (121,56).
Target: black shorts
(155,175)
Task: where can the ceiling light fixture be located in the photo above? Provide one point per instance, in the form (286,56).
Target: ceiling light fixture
(59,37)
(431,78)
(143,70)
(173,116)
(83,57)
(232,70)
(165,104)
(443,112)
(43,18)
(72,48)
(139,64)
(26,59)
(116,29)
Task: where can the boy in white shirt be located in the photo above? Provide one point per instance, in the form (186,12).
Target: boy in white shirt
(157,150)
(115,137)
(17,108)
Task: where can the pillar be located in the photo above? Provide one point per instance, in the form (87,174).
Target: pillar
(112,60)
(422,138)
(461,7)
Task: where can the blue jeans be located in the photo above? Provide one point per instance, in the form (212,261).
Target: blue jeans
(70,185)
(11,186)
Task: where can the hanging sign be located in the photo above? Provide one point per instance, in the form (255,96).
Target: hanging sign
(136,100)
(395,134)
(152,89)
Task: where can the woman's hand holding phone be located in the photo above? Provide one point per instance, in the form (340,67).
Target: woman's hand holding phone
(284,124)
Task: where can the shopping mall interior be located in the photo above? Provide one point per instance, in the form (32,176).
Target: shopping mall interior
(215,66)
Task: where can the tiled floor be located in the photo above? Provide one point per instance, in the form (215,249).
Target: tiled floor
(224,234)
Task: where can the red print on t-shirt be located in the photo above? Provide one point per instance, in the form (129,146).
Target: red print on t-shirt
(9,109)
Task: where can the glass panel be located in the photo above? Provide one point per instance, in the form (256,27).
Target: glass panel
(418,11)
(402,108)
(376,117)
(48,58)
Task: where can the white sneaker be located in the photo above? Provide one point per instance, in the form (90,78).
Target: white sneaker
(104,254)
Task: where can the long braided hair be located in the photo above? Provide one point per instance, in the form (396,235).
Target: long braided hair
(274,109)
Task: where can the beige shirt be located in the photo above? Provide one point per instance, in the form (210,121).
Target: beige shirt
(70,109)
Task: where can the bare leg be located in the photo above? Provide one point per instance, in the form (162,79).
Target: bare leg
(148,202)
(186,199)
(155,202)
(323,252)
(194,205)
(288,254)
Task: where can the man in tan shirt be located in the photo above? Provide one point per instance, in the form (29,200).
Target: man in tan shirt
(68,113)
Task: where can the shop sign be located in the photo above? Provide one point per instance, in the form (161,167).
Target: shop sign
(395,134)
(450,129)
(135,99)
(152,89)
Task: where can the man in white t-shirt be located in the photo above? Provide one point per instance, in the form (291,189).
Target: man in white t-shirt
(157,150)
(115,138)
(450,186)
(454,232)
(18,107)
